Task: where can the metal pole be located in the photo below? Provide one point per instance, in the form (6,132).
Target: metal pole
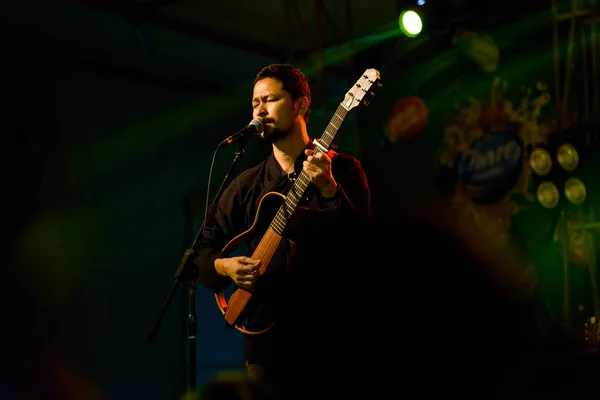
(569,62)
(556,52)
(595,63)
(566,278)
(586,80)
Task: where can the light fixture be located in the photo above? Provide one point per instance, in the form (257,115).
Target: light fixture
(567,157)
(547,195)
(575,191)
(540,161)
(560,162)
(410,23)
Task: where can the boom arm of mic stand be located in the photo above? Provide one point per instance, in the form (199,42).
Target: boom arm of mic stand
(187,271)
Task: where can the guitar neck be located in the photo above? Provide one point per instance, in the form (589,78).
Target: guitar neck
(333,127)
(301,184)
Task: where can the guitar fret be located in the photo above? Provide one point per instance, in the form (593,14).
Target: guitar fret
(277,222)
(281,218)
(277,225)
(305,181)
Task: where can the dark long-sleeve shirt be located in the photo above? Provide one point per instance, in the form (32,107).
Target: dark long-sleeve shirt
(315,231)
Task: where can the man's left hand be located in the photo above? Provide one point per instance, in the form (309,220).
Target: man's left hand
(318,169)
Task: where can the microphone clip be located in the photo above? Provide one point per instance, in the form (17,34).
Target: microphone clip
(255,127)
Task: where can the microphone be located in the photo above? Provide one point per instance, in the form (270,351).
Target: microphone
(255,127)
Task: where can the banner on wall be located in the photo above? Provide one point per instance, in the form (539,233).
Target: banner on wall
(484,143)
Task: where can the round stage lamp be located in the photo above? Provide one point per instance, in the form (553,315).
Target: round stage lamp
(547,195)
(567,157)
(575,191)
(540,161)
(410,23)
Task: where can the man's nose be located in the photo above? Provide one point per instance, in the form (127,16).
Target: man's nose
(260,110)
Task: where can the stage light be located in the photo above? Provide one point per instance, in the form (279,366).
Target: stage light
(410,23)
(567,157)
(547,195)
(575,191)
(565,160)
(540,161)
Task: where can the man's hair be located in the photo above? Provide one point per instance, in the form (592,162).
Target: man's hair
(292,80)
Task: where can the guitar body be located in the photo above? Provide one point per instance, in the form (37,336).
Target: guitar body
(233,308)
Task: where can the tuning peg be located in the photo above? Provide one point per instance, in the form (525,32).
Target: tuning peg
(372,93)
(366,103)
(379,84)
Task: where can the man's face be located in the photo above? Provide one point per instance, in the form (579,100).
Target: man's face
(275,108)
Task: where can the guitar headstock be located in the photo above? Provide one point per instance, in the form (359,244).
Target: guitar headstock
(362,89)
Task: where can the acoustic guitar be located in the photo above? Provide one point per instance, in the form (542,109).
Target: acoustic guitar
(234,308)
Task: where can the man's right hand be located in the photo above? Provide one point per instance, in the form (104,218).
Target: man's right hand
(242,270)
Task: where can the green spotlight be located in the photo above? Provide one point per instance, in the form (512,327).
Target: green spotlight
(410,23)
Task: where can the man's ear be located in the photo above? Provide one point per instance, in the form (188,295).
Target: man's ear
(302,105)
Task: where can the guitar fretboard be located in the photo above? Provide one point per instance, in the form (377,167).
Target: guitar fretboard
(302,182)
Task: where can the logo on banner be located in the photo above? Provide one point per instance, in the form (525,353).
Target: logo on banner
(491,166)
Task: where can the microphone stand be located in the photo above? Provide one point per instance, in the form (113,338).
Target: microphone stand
(187,273)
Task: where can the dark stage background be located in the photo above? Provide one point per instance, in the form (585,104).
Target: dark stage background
(111,112)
